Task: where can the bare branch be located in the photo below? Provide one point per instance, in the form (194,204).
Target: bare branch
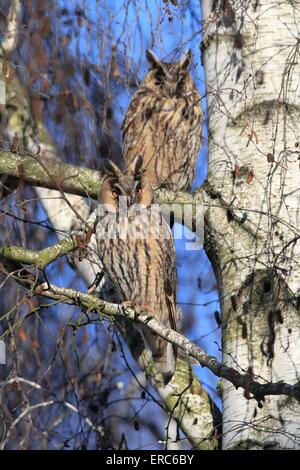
(87,302)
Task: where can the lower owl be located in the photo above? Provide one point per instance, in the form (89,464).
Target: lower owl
(138,255)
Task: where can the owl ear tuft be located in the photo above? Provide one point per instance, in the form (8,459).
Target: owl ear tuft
(134,168)
(185,62)
(111,169)
(153,60)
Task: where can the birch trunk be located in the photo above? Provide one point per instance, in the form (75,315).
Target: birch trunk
(251,60)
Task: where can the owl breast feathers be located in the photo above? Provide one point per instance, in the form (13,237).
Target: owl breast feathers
(137,251)
(163,124)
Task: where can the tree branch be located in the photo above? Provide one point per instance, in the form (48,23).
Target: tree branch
(39,258)
(49,173)
(59,175)
(54,174)
(91,304)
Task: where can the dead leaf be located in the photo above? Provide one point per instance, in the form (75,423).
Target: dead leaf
(15,144)
(237,170)
(22,335)
(250,177)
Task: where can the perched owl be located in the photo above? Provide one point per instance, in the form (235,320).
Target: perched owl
(163,124)
(136,248)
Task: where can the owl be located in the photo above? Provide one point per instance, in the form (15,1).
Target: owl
(136,248)
(164,124)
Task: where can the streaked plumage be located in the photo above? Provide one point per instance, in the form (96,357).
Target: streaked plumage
(142,267)
(163,124)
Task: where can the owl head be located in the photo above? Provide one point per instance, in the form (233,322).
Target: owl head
(132,184)
(170,78)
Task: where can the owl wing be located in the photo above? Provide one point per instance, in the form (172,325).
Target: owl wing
(132,114)
(138,113)
(170,278)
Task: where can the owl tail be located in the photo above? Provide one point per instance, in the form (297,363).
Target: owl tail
(163,354)
(165,362)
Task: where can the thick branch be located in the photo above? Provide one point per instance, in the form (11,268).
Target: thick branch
(54,174)
(39,258)
(71,179)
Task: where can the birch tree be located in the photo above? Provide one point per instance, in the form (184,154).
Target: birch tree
(251,59)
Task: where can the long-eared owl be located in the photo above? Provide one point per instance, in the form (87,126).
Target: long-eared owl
(163,124)
(136,248)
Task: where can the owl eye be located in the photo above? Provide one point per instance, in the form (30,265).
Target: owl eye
(138,190)
(160,77)
(114,193)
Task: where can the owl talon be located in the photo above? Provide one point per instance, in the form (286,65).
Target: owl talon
(137,307)
(143,307)
(129,303)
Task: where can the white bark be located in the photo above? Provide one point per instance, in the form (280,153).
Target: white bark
(251,59)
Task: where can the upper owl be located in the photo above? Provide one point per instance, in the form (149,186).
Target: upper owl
(163,124)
